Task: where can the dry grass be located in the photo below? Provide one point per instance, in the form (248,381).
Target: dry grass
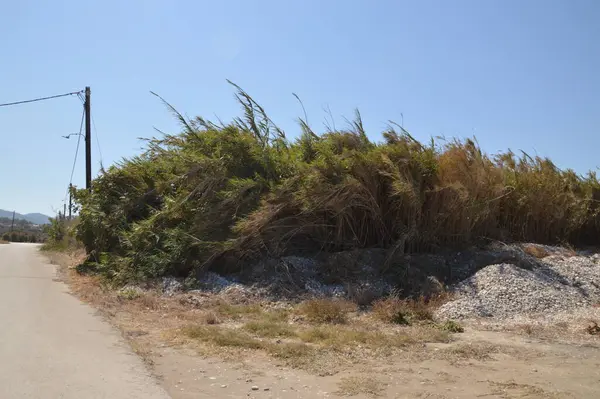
(237,311)
(338,338)
(142,349)
(360,385)
(551,331)
(4,242)
(484,351)
(295,354)
(407,311)
(481,351)
(535,251)
(512,389)
(211,318)
(218,325)
(326,310)
(316,348)
(270,329)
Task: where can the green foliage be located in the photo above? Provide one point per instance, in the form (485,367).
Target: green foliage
(218,195)
(20,236)
(56,229)
(129,293)
(60,235)
(452,327)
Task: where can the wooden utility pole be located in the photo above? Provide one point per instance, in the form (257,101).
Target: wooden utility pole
(12,225)
(88,140)
(70,202)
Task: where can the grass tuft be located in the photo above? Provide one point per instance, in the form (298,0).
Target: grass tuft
(452,327)
(223,337)
(405,311)
(269,329)
(326,310)
(129,293)
(239,311)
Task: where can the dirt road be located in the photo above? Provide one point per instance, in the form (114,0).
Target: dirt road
(52,345)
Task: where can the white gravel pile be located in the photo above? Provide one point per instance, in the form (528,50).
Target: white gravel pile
(504,291)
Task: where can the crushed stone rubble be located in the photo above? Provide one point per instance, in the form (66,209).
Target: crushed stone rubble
(553,284)
(501,283)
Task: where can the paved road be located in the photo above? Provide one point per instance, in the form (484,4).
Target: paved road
(53,346)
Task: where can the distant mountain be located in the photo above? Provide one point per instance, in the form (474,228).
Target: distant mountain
(35,218)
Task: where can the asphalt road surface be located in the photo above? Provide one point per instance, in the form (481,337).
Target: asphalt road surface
(54,346)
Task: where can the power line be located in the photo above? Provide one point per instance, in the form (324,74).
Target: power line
(97,141)
(77,149)
(76,154)
(39,99)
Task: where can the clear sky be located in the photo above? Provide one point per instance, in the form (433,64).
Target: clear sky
(516,74)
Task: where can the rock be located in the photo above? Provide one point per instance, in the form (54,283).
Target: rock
(195,299)
(507,290)
(213,282)
(317,288)
(171,286)
(254,388)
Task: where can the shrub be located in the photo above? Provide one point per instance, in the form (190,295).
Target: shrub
(452,326)
(222,195)
(326,310)
(406,311)
(391,310)
(129,293)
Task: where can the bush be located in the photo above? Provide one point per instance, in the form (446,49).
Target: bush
(21,236)
(452,326)
(60,235)
(391,310)
(326,310)
(406,311)
(222,195)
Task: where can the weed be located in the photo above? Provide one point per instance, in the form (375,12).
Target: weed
(481,351)
(290,351)
(452,327)
(129,293)
(404,311)
(269,329)
(338,337)
(326,310)
(295,354)
(211,318)
(237,312)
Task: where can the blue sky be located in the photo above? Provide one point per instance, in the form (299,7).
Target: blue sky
(516,74)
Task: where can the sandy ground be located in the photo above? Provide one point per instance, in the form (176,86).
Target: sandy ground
(523,363)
